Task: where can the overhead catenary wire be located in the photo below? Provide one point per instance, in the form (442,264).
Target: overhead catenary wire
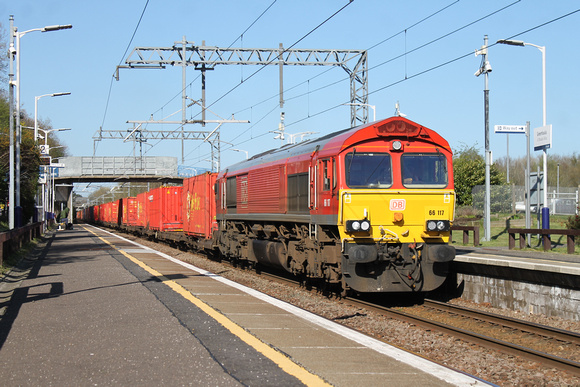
(391,84)
(192,82)
(121,61)
(294,44)
(277,57)
(368,49)
(448,62)
(406,52)
(423,72)
(252,24)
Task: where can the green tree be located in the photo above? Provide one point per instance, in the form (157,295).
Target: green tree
(29,162)
(469,171)
(564,169)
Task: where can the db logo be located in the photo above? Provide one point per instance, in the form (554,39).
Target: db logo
(397,204)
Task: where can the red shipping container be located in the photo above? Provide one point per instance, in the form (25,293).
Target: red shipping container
(101,212)
(106,212)
(115,216)
(199,205)
(141,219)
(96,213)
(130,211)
(164,209)
(124,211)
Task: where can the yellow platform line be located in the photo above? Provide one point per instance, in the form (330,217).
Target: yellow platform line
(282,360)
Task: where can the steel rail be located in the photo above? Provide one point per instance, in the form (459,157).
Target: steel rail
(486,341)
(538,329)
(489,342)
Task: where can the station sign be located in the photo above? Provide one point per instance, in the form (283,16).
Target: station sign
(543,137)
(509,129)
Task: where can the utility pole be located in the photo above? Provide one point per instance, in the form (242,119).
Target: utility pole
(11,84)
(485,69)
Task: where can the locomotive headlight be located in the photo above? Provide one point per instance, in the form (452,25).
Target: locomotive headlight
(365,225)
(431,225)
(437,225)
(358,226)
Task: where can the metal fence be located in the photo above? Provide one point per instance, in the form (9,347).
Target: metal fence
(510,198)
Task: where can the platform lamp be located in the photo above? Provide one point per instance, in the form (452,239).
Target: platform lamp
(545,209)
(14,52)
(36,109)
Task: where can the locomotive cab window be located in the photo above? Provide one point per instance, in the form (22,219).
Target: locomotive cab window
(368,170)
(421,170)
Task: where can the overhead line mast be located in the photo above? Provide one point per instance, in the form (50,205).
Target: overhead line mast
(204,58)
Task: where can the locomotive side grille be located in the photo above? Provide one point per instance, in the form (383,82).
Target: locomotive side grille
(264,191)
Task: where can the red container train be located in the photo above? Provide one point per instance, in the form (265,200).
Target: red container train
(368,208)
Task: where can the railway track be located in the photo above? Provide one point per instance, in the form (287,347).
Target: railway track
(546,345)
(552,347)
(490,372)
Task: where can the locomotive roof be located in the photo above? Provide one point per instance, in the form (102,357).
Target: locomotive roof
(286,151)
(343,138)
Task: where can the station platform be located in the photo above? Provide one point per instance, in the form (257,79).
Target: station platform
(516,259)
(92,308)
(530,282)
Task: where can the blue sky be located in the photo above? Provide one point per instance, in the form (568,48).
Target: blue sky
(432,87)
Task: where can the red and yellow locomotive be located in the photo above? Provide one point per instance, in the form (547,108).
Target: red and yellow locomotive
(368,208)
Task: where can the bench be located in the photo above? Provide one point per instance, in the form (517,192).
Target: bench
(570,237)
(466,230)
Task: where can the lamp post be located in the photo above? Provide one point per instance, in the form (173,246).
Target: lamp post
(47,131)
(14,51)
(36,131)
(11,86)
(45,150)
(48,188)
(545,209)
(36,109)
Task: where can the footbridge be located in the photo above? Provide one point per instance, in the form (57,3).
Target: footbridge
(96,169)
(93,169)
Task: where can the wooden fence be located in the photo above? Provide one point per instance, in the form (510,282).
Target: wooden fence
(13,240)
